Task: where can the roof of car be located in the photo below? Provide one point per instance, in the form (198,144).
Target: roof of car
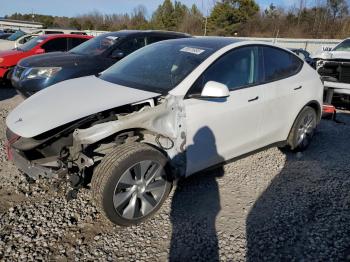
(122,33)
(207,42)
(65,35)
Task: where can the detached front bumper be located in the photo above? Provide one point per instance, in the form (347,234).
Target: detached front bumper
(337,87)
(27,167)
(22,163)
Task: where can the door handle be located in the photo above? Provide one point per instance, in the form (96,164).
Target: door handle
(297,88)
(253,99)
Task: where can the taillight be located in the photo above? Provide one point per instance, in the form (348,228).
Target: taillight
(328,109)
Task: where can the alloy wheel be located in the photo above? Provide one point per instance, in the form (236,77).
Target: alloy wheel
(140,189)
(306,129)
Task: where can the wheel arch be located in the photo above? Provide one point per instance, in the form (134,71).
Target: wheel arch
(315,105)
(177,163)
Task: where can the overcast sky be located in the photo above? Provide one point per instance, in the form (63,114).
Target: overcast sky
(77,7)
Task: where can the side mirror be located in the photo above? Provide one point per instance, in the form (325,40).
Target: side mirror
(117,54)
(214,89)
(39,51)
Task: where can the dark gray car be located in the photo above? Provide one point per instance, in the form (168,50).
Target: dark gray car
(92,57)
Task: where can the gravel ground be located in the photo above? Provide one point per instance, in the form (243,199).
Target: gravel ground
(270,206)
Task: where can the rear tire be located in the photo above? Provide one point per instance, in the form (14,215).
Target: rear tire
(131,183)
(303,129)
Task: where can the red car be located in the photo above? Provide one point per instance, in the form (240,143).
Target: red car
(38,45)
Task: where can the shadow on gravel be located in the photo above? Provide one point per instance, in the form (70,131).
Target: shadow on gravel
(304,214)
(194,207)
(6,91)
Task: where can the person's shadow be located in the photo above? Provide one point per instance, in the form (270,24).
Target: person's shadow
(303,215)
(194,207)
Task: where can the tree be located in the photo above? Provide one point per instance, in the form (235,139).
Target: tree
(138,18)
(271,11)
(337,8)
(75,24)
(192,22)
(228,15)
(163,17)
(88,25)
(180,11)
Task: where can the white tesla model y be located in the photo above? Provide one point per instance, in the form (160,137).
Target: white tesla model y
(168,110)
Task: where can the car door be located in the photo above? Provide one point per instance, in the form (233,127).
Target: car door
(221,129)
(55,45)
(282,91)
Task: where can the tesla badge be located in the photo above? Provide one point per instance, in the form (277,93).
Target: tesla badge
(19,120)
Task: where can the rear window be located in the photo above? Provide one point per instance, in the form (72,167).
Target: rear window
(279,64)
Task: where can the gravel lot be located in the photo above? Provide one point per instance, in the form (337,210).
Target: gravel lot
(270,206)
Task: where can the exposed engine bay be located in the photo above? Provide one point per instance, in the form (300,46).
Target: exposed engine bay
(74,149)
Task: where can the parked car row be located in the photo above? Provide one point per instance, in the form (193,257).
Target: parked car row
(89,58)
(166,110)
(36,46)
(20,37)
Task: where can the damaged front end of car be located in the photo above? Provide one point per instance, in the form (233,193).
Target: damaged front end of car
(72,151)
(335,74)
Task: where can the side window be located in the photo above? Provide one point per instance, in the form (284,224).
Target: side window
(73,42)
(53,32)
(154,39)
(54,45)
(236,69)
(132,44)
(25,39)
(279,64)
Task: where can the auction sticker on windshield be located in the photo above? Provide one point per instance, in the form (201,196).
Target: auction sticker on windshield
(192,50)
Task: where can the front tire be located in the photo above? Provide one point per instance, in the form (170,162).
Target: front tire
(303,129)
(131,183)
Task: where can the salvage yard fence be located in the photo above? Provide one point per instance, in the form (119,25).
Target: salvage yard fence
(313,46)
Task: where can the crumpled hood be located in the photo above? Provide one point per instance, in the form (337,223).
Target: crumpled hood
(59,59)
(68,101)
(333,55)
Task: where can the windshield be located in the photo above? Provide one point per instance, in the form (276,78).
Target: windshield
(343,46)
(16,35)
(95,46)
(31,43)
(158,67)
